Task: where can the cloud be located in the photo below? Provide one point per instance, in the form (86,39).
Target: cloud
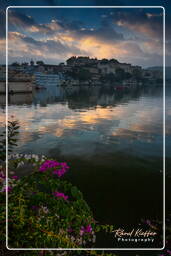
(36,48)
(146,23)
(18,20)
(132,37)
(105,33)
(22,21)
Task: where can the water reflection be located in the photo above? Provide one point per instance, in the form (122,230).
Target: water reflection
(84,120)
(112,141)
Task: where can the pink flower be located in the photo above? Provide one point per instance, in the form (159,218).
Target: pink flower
(59,172)
(15,177)
(87,229)
(60,195)
(82,231)
(2,175)
(7,189)
(35,207)
(61,167)
(70,230)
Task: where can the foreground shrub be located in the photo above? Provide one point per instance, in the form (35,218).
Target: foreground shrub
(12,132)
(46,211)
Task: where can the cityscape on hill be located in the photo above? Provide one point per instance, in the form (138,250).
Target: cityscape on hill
(78,71)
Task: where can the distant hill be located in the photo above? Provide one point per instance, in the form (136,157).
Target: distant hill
(168,70)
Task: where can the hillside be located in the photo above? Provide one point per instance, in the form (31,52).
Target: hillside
(160,68)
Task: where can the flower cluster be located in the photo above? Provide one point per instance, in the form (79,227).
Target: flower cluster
(60,195)
(11,182)
(42,209)
(81,239)
(78,232)
(58,168)
(2,176)
(87,229)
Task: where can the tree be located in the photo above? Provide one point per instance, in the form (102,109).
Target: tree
(120,74)
(109,77)
(137,74)
(40,62)
(80,74)
(16,64)
(84,74)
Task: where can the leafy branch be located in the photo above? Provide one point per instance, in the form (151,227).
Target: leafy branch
(12,131)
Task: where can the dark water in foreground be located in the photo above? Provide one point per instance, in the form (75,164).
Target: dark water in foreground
(113,142)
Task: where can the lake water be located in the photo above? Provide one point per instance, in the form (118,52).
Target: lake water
(113,142)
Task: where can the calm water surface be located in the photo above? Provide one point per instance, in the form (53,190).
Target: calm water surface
(112,141)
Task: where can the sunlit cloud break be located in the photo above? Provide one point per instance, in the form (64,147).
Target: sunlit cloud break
(133,36)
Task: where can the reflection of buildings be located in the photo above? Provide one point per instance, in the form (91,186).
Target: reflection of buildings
(88,97)
(47,79)
(49,96)
(78,97)
(20,99)
(2,99)
(17,99)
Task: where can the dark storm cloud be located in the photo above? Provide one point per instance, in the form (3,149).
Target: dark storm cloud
(20,18)
(105,32)
(22,21)
(144,21)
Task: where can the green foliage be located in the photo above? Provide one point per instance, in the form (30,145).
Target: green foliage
(109,78)
(122,75)
(137,74)
(84,75)
(38,219)
(81,74)
(11,139)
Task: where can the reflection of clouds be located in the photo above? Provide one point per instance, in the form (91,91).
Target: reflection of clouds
(168,112)
(67,123)
(97,115)
(24,137)
(2,119)
(141,125)
(145,116)
(59,132)
(135,121)
(132,135)
(145,128)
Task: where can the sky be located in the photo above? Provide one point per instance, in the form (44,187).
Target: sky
(131,35)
